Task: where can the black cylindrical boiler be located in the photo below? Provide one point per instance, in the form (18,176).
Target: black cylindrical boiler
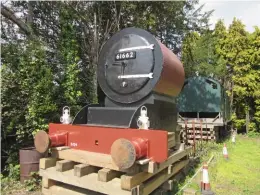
(133,63)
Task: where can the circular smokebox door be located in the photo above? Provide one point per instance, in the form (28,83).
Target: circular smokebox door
(130,64)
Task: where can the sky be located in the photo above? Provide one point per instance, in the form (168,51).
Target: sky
(247,11)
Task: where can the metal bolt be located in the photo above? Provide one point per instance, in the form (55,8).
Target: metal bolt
(124,84)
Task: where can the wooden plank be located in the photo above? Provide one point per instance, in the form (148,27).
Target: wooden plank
(106,175)
(161,177)
(128,182)
(47,183)
(152,168)
(47,162)
(91,158)
(64,165)
(62,189)
(83,169)
(89,182)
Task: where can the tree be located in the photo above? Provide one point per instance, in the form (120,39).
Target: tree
(50,54)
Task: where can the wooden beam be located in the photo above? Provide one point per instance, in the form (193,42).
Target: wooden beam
(47,162)
(64,165)
(91,158)
(83,169)
(61,189)
(47,183)
(106,175)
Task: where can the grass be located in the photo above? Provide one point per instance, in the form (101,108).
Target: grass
(240,175)
(12,186)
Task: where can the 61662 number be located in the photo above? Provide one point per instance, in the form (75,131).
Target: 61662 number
(125,55)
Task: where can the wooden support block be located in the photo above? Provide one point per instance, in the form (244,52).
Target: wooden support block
(128,182)
(47,183)
(47,163)
(83,169)
(170,169)
(64,165)
(168,185)
(138,190)
(153,167)
(106,175)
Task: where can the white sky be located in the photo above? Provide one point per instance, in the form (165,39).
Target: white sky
(247,11)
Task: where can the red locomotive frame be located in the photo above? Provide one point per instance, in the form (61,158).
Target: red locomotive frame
(152,144)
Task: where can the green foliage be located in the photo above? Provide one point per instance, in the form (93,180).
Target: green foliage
(11,183)
(14,172)
(33,184)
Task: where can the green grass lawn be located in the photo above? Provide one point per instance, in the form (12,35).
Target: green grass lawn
(240,175)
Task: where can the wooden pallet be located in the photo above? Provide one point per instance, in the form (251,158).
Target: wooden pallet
(78,168)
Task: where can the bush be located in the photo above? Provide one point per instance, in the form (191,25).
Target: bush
(14,172)
(253,134)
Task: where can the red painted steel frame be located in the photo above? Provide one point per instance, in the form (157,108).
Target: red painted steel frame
(100,139)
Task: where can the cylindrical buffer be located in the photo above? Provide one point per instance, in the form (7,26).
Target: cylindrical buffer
(43,141)
(124,152)
(58,139)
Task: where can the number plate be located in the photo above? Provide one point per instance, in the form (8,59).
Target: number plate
(125,55)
